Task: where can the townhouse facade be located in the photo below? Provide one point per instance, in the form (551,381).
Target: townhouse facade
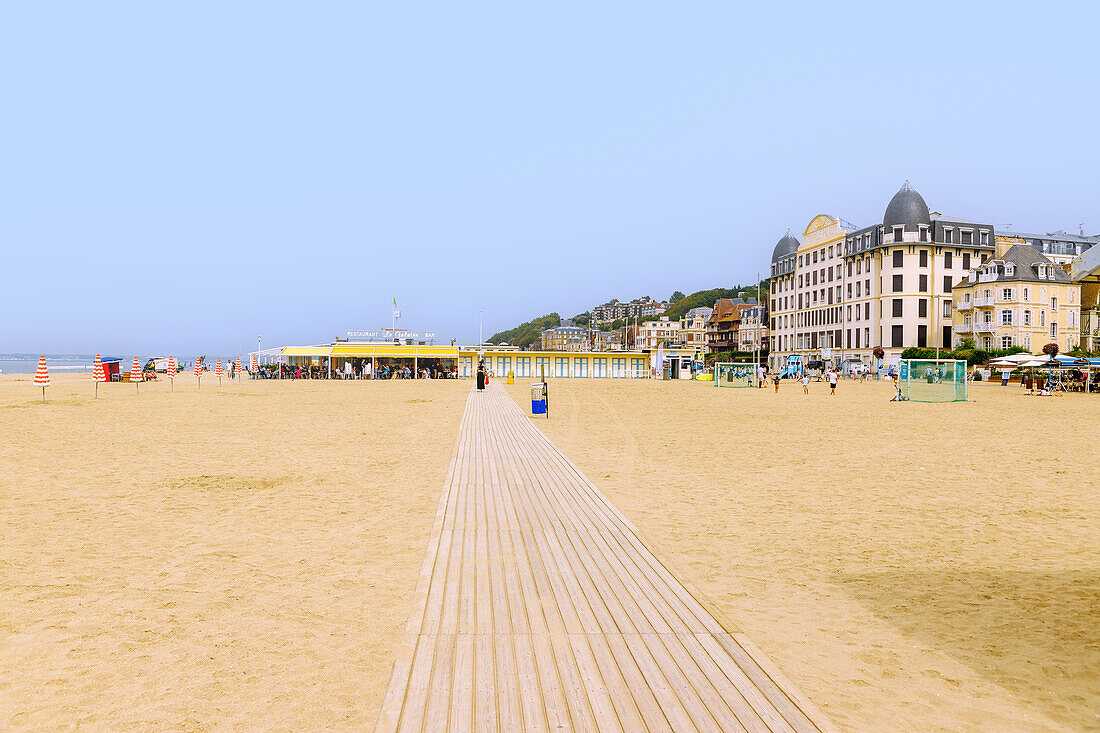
(638,308)
(565,338)
(1019,298)
(662,332)
(693,328)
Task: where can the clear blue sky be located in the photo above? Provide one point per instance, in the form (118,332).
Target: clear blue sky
(184,176)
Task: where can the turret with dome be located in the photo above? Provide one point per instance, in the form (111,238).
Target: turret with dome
(786,246)
(907,209)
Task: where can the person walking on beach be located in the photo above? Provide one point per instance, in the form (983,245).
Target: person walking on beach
(775,380)
(805,383)
(760,376)
(832,381)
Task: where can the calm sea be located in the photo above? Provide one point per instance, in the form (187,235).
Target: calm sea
(60,364)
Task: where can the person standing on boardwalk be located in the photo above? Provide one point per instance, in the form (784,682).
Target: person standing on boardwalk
(481,375)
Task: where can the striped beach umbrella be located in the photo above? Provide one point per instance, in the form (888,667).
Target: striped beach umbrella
(135,374)
(172,371)
(219,372)
(42,376)
(255,366)
(239,370)
(99,374)
(198,371)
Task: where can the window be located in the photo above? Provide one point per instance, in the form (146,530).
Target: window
(922,308)
(947,235)
(966,260)
(898,304)
(983,237)
(1006,318)
(858,264)
(896,333)
(1006,342)
(923,234)
(1054,329)
(898,255)
(898,283)
(923,284)
(815,256)
(947,259)
(867,313)
(1042,319)
(922,336)
(947,283)
(849,290)
(1006,294)
(967,237)
(1027,317)
(857,290)
(849,268)
(898,234)
(947,309)
(1054,304)
(849,314)
(924,258)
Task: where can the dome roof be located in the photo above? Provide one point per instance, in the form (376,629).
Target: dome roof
(788,245)
(906,209)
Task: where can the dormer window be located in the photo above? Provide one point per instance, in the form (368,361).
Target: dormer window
(983,237)
(923,236)
(1042,272)
(898,233)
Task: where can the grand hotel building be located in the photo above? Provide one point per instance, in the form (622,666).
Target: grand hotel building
(842,291)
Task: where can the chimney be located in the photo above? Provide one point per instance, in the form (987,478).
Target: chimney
(1001,245)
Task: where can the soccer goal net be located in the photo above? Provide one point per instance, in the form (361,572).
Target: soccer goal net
(730,374)
(933,380)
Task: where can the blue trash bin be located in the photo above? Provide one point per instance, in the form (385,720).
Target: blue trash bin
(538,398)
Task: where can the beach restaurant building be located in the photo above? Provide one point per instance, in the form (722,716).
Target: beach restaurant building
(344,359)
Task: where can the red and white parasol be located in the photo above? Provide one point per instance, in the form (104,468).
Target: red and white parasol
(42,376)
(135,374)
(99,373)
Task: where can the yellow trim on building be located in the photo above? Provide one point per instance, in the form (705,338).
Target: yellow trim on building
(306,350)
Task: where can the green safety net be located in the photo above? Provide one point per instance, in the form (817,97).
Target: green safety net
(727,374)
(930,380)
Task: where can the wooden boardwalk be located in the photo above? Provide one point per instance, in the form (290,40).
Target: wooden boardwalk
(538,608)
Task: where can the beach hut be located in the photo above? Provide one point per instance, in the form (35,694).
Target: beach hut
(99,374)
(171,372)
(42,376)
(219,371)
(198,371)
(135,374)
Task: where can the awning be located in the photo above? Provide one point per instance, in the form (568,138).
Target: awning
(395,351)
(306,350)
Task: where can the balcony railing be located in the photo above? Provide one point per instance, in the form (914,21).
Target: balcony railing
(964,306)
(983,327)
(984,302)
(964,328)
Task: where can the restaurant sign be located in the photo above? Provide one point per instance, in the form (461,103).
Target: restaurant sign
(389,334)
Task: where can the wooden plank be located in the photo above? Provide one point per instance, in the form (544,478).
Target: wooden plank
(462,684)
(485,684)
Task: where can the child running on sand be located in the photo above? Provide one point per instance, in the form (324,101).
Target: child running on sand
(775,379)
(805,383)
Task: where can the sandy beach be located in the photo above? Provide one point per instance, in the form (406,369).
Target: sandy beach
(246,556)
(910,566)
(241,557)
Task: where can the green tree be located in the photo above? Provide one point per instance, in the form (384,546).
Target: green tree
(676,297)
